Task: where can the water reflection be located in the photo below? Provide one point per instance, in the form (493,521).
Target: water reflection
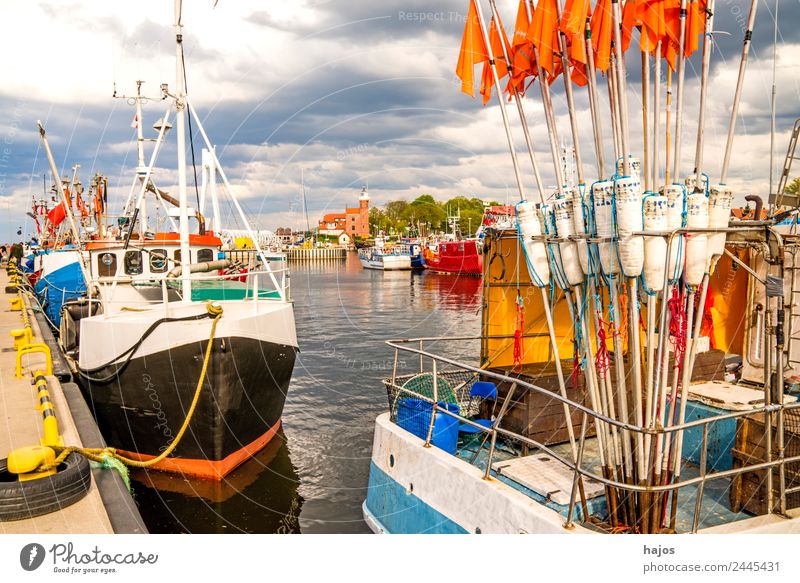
(261,495)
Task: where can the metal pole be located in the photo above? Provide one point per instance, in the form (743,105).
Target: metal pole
(565,73)
(622,93)
(707,42)
(523,119)
(218,167)
(180,105)
(667,175)
(559,372)
(737,97)
(656,115)
(645,124)
(515,162)
(594,103)
(65,202)
(773,105)
(676,162)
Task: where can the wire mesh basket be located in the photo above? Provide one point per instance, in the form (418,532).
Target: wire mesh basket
(452,387)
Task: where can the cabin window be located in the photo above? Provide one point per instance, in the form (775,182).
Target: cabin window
(158,260)
(204,255)
(177,256)
(461,247)
(107,265)
(133,262)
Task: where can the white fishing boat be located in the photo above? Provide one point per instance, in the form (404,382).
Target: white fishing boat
(175,318)
(646,436)
(386,257)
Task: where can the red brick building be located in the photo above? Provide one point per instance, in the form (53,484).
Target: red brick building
(354,222)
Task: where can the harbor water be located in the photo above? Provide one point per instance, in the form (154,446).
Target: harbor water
(313,480)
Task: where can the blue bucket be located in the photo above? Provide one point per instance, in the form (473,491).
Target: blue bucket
(414,415)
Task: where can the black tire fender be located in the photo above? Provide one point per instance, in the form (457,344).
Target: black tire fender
(21,500)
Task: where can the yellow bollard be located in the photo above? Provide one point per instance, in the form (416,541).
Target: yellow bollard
(16,304)
(48,410)
(32,349)
(22,337)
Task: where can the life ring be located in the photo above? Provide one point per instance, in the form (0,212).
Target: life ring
(21,500)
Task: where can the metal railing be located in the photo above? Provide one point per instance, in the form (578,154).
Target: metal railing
(416,346)
(170,287)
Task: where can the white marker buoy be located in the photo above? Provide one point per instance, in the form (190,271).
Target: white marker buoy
(628,204)
(696,243)
(535,250)
(676,202)
(720,199)
(655,248)
(602,195)
(565,227)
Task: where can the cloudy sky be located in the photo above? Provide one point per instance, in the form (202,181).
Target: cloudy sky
(353,92)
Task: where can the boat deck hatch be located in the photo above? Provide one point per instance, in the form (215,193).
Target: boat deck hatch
(545,476)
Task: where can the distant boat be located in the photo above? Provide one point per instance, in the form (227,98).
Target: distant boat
(456,257)
(386,257)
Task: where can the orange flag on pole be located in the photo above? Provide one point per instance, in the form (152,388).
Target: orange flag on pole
(602,31)
(573,25)
(630,19)
(522,63)
(695,26)
(473,51)
(543,33)
(495,42)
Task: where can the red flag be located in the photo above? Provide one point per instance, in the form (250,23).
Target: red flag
(497,45)
(473,51)
(543,33)
(57,214)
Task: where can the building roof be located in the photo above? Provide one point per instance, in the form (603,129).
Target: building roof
(333,217)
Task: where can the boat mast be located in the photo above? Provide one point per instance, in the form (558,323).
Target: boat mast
(141,169)
(180,105)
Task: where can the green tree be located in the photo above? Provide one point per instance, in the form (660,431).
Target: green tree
(793,187)
(424,210)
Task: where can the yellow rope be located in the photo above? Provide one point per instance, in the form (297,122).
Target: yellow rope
(98,454)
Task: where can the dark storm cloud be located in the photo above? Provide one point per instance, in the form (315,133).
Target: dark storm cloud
(344,120)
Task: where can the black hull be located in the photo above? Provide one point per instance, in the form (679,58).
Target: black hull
(241,403)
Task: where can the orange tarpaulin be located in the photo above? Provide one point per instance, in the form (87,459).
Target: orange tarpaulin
(473,51)
(498,54)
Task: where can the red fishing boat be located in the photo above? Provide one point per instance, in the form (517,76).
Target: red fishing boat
(465,257)
(456,257)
